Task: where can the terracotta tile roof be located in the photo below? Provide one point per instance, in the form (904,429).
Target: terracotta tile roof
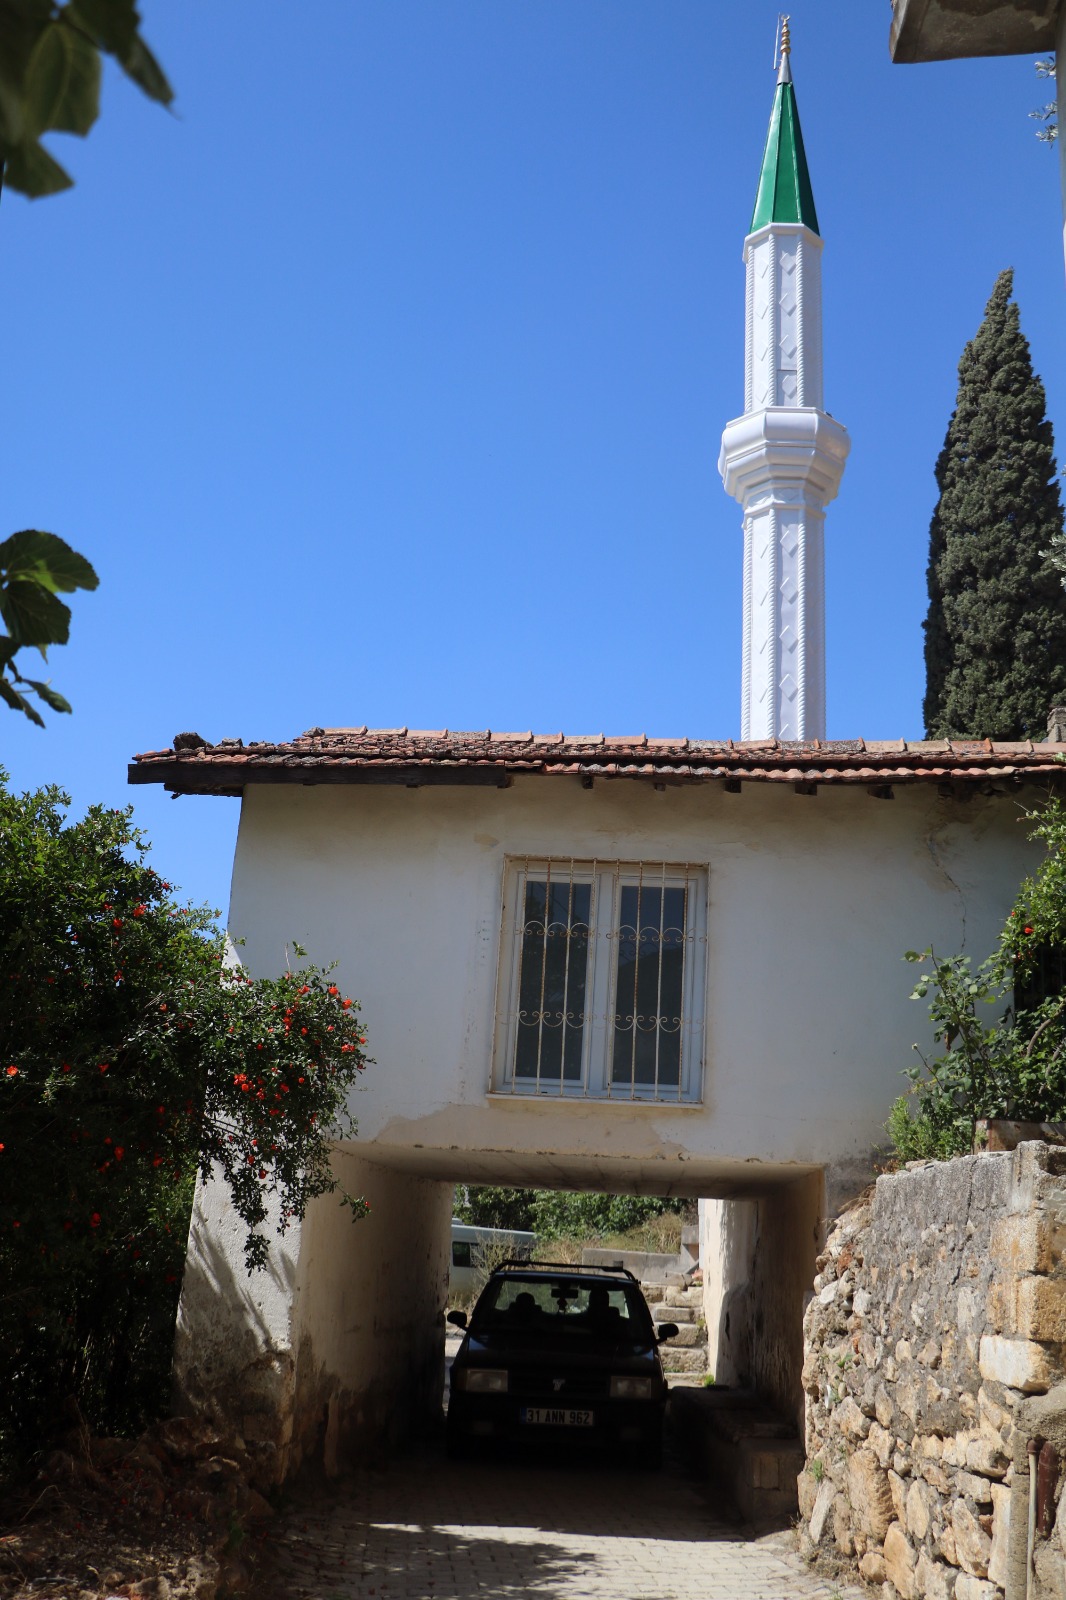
(441,756)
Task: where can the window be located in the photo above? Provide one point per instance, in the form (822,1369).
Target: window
(462,1255)
(1047,979)
(601,980)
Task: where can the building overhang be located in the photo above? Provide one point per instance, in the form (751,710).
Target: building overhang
(413,759)
(943,30)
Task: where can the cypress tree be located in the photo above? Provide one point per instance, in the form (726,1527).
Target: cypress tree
(995,635)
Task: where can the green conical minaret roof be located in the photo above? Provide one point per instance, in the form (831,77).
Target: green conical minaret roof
(785,193)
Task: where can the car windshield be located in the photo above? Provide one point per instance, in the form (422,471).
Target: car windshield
(568,1308)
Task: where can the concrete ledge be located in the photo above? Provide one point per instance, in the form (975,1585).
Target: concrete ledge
(741,1445)
(941,30)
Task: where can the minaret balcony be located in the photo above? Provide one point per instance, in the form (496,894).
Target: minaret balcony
(795,449)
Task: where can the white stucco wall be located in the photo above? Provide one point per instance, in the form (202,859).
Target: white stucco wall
(812,901)
(338,1340)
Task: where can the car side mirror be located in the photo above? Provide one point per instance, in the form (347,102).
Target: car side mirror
(668,1330)
(458,1319)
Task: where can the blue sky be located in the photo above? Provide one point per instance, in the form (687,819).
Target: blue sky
(383,382)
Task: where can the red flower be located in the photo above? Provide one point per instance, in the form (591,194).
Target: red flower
(1028,930)
(138,911)
(103,1066)
(119,1152)
(12,1072)
(94,1220)
(66,1066)
(262,1172)
(346,1004)
(333,989)
(116,922)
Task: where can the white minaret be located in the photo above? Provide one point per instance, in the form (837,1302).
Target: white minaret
(783,459)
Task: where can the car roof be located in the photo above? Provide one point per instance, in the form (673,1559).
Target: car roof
(564,1269)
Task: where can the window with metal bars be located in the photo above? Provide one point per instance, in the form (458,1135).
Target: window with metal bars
(602,978)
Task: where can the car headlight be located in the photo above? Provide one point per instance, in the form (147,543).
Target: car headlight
(632,1388)
(482,1380)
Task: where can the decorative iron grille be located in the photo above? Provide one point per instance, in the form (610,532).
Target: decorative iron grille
(602,978)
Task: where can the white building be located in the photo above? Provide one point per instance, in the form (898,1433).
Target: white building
(774,887)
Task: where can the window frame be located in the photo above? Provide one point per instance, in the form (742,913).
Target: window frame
(607,879)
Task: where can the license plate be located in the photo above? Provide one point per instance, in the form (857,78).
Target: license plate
(556,1417)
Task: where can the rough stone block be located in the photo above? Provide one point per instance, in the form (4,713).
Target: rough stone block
(684,1360)
(881,1442)
(850,1420)
(972,1543)
(688,1336)
(843,1536)
(974,1487)
(945,1543)
(822,1506)
(997,1562)
(899,1561)
(1040,1310)
(986,1454)
(1018,1363)
(898,1491)
(918,1510)
(967,1588)
(1022,1244)
(665,1312)
(870,1495)
(807,1494)
(932,1580)
(872,1567)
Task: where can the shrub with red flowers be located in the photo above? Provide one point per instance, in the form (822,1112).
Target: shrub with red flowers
(134,1053)
(1014,1063)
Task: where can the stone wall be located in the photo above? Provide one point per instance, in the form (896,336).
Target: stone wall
(938,1317)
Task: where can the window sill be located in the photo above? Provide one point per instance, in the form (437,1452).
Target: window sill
(645,1102)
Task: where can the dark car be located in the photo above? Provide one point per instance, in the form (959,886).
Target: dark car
(559,1352)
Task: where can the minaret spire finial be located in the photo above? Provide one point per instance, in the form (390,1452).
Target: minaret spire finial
(784,70)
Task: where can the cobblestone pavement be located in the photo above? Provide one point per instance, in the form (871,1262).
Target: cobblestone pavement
(427,1529)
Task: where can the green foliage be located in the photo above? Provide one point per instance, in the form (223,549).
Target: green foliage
(132,1055)
(483,1207)
(564,1214)
(558,1214)
(1008,1064)
(50,79)
(35,568)
(995,633)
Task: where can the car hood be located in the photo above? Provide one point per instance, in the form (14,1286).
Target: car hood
(512,1349)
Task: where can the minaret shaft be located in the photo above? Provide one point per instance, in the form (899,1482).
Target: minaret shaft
(783,459)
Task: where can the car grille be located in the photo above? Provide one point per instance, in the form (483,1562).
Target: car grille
(558,1385)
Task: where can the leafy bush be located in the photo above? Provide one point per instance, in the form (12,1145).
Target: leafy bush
(566,1214)
(1015,1064)
(133,1054)
(558,1214)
